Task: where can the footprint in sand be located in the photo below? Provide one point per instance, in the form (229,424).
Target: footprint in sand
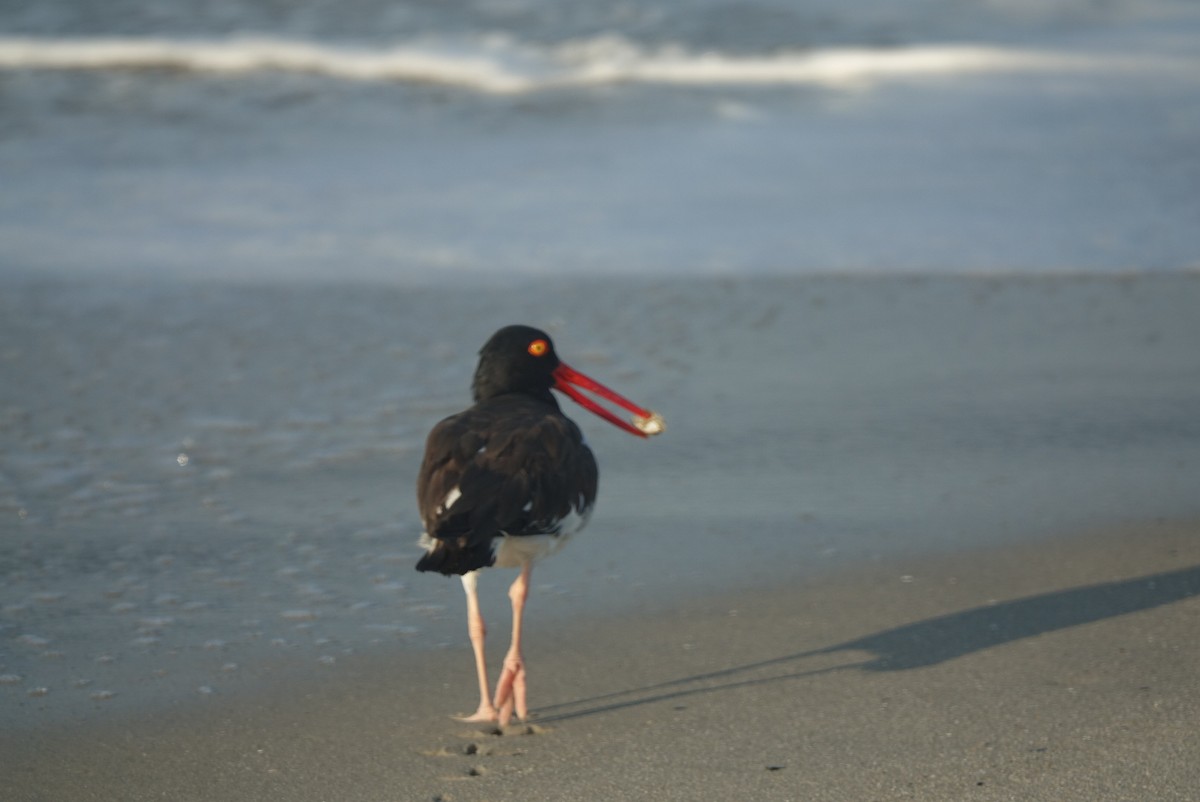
(452,751)
(476,746)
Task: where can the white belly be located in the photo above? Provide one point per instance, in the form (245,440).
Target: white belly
(513,552)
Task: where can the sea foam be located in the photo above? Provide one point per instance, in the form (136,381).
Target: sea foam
(499,65)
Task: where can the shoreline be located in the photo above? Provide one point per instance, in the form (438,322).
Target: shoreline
(1051,670)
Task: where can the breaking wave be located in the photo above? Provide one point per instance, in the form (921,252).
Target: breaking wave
(497,65)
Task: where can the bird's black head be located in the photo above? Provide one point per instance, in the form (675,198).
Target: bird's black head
(517,359)
(521,359)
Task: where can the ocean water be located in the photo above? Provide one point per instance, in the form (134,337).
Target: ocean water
(442,141)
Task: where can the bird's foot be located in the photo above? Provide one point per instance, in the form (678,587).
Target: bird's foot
(486,713)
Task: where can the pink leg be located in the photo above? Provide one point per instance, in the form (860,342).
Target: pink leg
(478,632)
(510,690)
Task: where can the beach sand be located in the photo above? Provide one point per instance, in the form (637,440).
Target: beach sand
(1064,670)
(904,538)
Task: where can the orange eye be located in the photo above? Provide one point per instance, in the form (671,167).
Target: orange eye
(538,348)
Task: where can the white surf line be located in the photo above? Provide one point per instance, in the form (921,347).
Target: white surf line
(516,69)
(243,55)
(840,67)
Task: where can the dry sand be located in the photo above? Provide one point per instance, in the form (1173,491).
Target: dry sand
(904,538)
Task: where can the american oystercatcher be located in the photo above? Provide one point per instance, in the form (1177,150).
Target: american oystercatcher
(508,481)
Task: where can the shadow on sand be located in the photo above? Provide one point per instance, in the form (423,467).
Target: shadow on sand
(924,643)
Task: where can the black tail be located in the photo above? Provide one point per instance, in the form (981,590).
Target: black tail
(454,557)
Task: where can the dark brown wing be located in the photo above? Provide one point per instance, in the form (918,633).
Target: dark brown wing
(510,465)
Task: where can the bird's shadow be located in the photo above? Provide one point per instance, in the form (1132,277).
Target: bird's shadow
(922,643)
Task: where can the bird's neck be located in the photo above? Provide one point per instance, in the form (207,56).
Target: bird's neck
(485,392)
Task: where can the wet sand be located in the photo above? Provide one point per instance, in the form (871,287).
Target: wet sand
(927,538)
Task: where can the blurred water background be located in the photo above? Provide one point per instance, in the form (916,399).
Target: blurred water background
(433,141)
